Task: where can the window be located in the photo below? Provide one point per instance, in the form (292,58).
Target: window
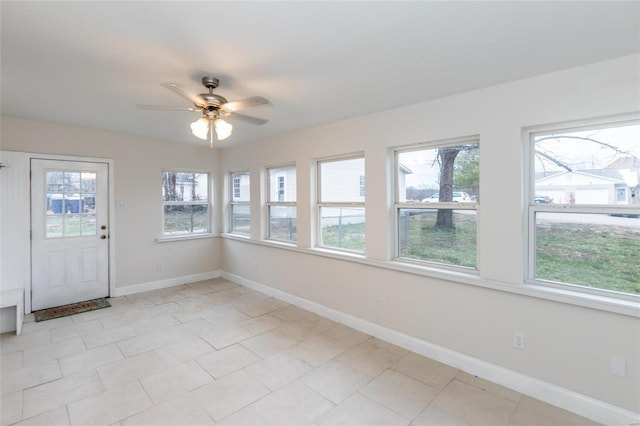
(341,204)
(584,207)
(281,204)
(185,203)
(240,208)
(436,200)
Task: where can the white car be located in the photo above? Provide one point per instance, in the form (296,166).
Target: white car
(458,197)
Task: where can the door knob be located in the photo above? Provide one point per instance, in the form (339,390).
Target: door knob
(103,227)
(102,237)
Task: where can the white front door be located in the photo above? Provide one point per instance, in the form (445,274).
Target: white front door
(69,232)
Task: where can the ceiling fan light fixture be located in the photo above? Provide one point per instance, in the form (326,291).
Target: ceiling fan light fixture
(223,129)
(200,128)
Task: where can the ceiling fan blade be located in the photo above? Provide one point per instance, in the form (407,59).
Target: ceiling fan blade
(245,103)
(167,108)
(248,119)
(191,97)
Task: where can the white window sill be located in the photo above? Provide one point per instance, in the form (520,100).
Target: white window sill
(166,239)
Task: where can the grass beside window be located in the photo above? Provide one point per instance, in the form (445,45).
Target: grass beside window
(420,239)
(601,256)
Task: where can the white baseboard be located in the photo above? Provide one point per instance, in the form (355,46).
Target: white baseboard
(569,400)
(170,282)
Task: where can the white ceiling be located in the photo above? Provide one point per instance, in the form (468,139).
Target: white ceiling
(90,63)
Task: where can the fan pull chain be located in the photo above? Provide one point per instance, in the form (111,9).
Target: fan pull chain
(211,128)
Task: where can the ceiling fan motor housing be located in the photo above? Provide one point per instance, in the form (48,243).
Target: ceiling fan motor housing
(210,82)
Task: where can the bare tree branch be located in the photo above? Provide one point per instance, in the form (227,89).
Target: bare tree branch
(615,148)
(554,160)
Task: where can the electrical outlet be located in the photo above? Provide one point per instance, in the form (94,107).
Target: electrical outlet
(382,303)
(159,267)
(618,366)
(518,341)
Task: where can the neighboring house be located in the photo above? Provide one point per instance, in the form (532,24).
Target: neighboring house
(615,184)
(402,186)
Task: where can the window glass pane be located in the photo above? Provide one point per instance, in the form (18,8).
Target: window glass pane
(597,166)
(342,227)
(595,250)
(240,218)
(341,180)
(282,223)
(186,219)
(282,184)
(438,235)
(70,196)
(177,186)
(240,186)
(422,173)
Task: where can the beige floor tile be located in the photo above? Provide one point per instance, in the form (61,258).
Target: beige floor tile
(400,393)
(128,369)
(256,308)
(269,343)
(224,397)
(74,329)
(57,417)
(428,371)
(151,324)
(532,412)
(462,404)
(360,410)
(345,336)
(10,342)
(144,343)
(336,381)
(33,375)
(52,395)
(175,381)
(372,356)
(11,408)
(224,335)
(244,417)
(181,411)
(488,386)
(227,360)
(11,361)
(111,406)
(109,335)
(294,404)
(90,359)
(317,349)
(60,349)
(278,370)
(35,327)
(183,350)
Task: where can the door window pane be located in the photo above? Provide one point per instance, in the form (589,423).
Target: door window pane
(70,203)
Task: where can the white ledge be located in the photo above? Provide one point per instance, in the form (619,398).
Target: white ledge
(166,239)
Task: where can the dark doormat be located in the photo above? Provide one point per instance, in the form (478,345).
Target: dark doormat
(74,308)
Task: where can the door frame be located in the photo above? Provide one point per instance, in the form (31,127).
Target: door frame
(110,220)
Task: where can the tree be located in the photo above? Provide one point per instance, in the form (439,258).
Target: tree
(447,159)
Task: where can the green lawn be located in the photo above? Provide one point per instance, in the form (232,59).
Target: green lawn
(602,256)
(599,256)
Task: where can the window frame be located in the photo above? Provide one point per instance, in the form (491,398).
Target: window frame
(233,202)
(532,208)
(277,203)
(208,202)
(337,204)
(399,206)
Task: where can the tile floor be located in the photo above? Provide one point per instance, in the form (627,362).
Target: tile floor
(214,352)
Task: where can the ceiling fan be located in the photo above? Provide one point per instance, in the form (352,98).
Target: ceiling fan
(213,108)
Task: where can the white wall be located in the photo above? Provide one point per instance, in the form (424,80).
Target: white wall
(138,165)
(568,345)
